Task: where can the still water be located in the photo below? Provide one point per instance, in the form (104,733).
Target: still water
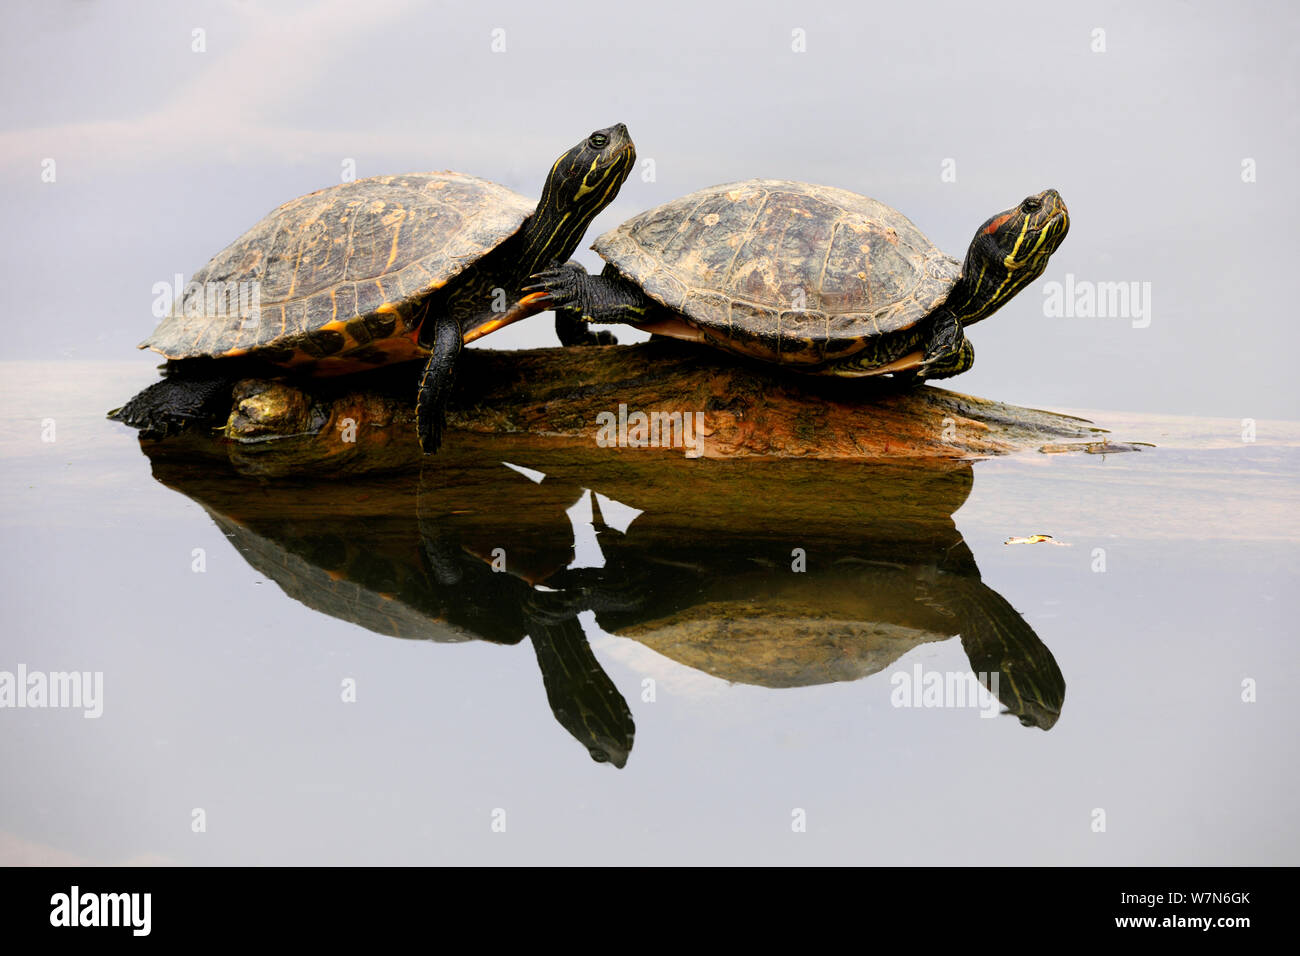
(518,659)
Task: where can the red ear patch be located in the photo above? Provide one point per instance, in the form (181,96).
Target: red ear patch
(997,224)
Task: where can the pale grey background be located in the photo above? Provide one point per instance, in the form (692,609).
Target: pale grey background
(165,155)
(221,692)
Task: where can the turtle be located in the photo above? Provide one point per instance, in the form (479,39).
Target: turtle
(814,278)
(370,273)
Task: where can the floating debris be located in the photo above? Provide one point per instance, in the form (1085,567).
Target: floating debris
(1037,539)
(1103,447)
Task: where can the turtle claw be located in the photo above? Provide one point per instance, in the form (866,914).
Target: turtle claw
(562,283)
(930,366)
(946,364)
(927,365)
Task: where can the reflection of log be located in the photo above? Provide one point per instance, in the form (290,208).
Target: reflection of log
(550,399)
(768,572)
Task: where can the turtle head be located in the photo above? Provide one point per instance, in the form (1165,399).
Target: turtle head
(589,175)
(1008,252)
(581,183)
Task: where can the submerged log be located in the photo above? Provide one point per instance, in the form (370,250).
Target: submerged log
(659,397)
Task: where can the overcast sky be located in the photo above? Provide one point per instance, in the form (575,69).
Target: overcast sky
(1141,115)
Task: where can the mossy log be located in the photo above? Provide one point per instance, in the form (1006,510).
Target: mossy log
(707,405)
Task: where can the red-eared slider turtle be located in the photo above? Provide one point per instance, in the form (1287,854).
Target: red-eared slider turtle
(812,277)
(369,273)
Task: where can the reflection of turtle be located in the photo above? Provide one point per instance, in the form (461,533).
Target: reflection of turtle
(728,603)
(757,623)
(815,278)
(700,577)
(581,696)
(997,640)
(380,567)
(370,273)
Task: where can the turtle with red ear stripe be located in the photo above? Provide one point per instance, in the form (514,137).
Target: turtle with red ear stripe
(815,278)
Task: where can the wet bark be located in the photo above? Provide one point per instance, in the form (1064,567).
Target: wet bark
(654,399)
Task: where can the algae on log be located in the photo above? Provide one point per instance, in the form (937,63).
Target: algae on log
(550,399)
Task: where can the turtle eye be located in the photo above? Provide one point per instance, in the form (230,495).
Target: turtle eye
(598,141)
(1031,205)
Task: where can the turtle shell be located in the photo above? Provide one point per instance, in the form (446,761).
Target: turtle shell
(790,272)
(334,278)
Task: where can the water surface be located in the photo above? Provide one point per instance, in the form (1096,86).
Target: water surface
(727,697)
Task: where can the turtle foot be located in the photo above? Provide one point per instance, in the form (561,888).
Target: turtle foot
(563,283)
(572,331)
(168,407)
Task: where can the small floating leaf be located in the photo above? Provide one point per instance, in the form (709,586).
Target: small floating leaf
(1037,539)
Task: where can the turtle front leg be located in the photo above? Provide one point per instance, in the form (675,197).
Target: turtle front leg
(436,382)
(948,366)
(587,298)
(569,326)
(947,350)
